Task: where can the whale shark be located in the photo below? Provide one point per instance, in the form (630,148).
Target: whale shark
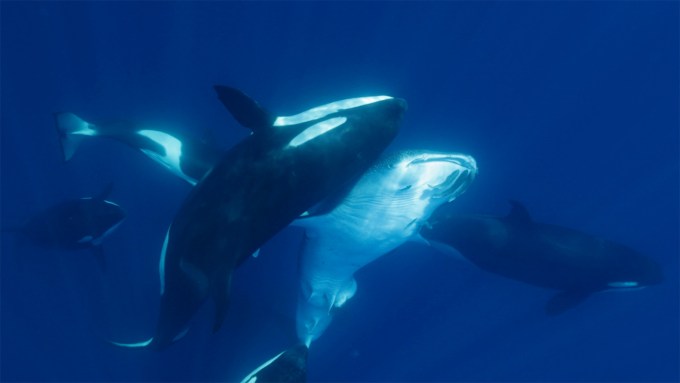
(384,209)
(574,263)
(186,157)
(81,223)
(258,187)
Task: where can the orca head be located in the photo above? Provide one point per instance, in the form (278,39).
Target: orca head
(374,110)
(631,270)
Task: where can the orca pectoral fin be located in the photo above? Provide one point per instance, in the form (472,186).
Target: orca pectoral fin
(220,294)
(288,366)
(244,109)
(565,300)
(72,129)
(98,253)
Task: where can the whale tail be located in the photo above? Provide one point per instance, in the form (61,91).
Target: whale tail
(288,366)
(72,129)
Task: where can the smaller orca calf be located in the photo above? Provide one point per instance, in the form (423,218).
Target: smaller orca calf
(81,223)
(555,257)
(190,159)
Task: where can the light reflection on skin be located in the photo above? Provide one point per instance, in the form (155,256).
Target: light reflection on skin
(324,110)
(385,208)
(317,130)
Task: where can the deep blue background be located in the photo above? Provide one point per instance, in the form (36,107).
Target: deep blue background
(570,107)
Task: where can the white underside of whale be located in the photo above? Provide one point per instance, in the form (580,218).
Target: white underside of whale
(385,209)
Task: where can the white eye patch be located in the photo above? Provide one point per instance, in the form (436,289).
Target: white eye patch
(324,110)
(316,130)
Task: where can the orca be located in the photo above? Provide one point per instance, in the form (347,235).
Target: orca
(186,157)
(384,209)
(550,256)
(287,366)
(258,187)
(81,223)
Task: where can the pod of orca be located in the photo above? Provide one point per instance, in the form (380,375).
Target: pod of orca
(323,170)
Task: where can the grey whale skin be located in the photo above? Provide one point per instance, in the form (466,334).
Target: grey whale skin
(75,224)
(258,187)
(555,257)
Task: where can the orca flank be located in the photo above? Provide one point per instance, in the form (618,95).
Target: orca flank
(550,256)
(257,188)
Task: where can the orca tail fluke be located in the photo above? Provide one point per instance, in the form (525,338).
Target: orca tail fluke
(72,129)
(288,366)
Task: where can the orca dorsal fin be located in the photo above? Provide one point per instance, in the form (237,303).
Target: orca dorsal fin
(519,213)
(245,110)
(105,192)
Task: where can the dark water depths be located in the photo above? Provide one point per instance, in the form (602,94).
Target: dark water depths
(571,108)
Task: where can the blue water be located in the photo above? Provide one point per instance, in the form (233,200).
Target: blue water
(569,107)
